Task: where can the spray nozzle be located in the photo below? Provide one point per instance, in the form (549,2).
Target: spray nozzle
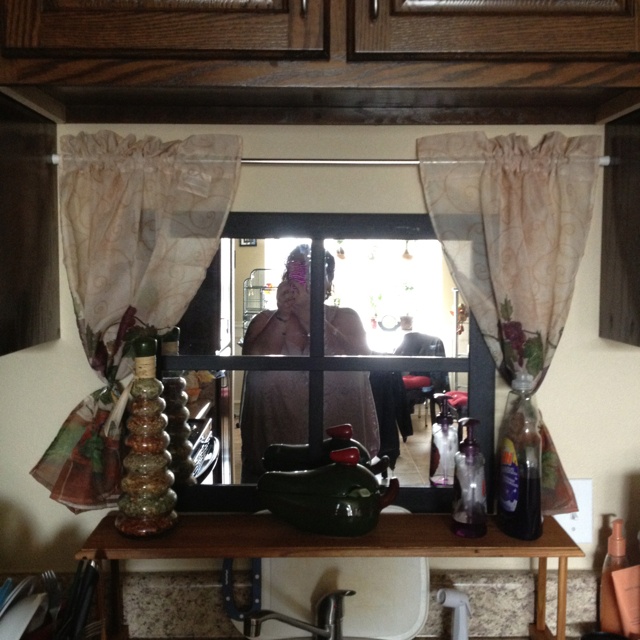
(459,602)
(444,417)
(469,445)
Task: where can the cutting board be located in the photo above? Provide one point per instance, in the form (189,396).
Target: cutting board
(390,603)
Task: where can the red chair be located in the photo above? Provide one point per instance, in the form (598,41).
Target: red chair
(418,391)
(459,400)
(421,385)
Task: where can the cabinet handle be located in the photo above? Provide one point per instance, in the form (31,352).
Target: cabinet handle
(374,9)
(303,8)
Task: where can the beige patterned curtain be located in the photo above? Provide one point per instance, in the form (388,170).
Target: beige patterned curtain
(513,221)
(140,223)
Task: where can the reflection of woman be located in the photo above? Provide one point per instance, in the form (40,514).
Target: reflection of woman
(275,403)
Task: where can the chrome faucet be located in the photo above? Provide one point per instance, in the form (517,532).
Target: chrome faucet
(329,618)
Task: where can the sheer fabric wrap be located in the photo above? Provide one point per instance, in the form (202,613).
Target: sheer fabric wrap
(513,222)
(140,223)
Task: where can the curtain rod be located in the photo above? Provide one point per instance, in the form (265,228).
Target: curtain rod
(604,161)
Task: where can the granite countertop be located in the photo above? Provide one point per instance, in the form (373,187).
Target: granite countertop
(190,604)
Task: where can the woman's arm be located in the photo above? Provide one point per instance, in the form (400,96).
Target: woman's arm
(345,334)
(263,335)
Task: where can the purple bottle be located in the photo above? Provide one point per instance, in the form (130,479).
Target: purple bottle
(520,457)
(469,488)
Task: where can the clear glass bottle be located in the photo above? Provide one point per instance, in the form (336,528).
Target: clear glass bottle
(520,460)
(146,505)
(444,446)
(469,490)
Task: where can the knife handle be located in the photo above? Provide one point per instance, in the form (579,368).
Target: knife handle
(89,581)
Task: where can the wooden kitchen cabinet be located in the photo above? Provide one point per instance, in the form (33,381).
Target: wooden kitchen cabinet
(277,29)
(299,29)
(620,261)
(29,270)
(424,29)
(323,61)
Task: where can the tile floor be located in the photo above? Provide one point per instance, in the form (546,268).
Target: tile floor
(412,467)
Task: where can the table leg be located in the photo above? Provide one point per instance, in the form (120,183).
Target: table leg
(563,564)
(114,624)
(541,595)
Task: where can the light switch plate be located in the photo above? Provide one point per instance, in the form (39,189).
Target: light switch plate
(579,525)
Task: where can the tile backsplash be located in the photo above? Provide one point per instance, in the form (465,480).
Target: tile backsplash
(190,604)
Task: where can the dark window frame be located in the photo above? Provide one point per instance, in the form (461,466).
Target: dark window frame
(479,364)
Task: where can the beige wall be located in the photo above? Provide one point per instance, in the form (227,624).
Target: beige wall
(589,398)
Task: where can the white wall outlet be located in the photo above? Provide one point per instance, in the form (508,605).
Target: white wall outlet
(579,525)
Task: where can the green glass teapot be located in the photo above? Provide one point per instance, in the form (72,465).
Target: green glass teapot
(342,498)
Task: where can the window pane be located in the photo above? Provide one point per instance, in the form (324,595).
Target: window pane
(397,286)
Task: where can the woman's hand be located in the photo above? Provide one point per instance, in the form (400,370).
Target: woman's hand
(293,298)
(285,299)
(301,305)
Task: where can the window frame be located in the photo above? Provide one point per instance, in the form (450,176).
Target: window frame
(318,226)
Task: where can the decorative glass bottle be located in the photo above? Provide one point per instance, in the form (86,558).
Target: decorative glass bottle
(178,428)
(146,505)
(520,459)
(444,446)
(469,491)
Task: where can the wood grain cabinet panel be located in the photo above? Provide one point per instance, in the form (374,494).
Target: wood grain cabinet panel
(29,274)
(278,29)
(620,262)
(429,29)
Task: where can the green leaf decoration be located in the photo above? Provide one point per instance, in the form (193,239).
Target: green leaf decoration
(92,450)
(534,355)
(506,309)
(103,395)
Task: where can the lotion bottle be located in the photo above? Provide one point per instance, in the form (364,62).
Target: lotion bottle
(444,446)
(615,559)
(469,490)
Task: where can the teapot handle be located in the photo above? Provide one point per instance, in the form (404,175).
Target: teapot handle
(390,494)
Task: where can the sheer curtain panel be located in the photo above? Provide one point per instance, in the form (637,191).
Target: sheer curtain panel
(513,222)
(140,223)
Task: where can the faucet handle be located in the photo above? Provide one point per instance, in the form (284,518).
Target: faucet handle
(331,607)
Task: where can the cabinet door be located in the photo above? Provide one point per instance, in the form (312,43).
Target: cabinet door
(428,29)
(152,28)
(620,262)
(29,278)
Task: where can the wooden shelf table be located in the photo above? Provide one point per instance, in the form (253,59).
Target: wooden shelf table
(264,536)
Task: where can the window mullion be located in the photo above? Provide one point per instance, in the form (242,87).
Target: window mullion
(316,348)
